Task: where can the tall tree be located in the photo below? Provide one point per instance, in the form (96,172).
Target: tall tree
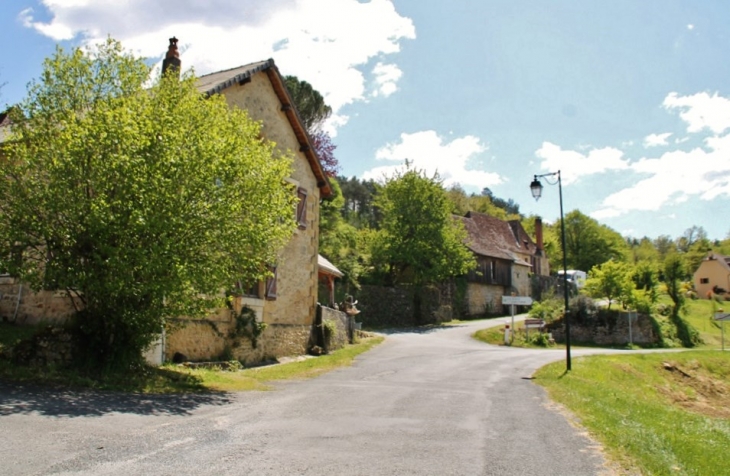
(589,243)
(141,203)
(313,110)
(611,280)
(674,273)
(418,240)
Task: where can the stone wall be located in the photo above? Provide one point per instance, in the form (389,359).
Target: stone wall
(50,307)
(212,339)
(609,329)
(342,322)
(484,299)
(382,306)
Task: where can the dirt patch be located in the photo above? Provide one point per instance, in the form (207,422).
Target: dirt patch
(695,389)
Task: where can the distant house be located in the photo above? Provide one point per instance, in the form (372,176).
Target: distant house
(712,275)
(506,257)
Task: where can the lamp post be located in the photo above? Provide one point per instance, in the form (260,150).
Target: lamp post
(536,189)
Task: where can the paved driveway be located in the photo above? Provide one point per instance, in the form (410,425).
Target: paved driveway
(429,403)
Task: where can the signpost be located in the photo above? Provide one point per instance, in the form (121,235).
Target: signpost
(515,301)
(722,317)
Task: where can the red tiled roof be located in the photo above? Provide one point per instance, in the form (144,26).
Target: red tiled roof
(490,236)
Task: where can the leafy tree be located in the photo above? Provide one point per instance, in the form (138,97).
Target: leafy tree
(589,243)
(138,202)
(322,143)
(646,278)
(338,239)
(418,240)
(674,273)
(359,195)
(611,280)
(313,111)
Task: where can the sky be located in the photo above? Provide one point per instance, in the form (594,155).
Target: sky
(629,100)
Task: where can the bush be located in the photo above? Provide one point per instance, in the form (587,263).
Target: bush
(549,310)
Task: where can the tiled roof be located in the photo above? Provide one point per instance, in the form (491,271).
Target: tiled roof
(216,83)
(492,237)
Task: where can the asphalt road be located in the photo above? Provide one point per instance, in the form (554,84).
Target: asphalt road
(428,403)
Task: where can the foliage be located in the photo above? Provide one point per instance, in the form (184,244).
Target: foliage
(322,143)
(338,239)
(646,278)
(550,309)
(358,209)
(588,243)
(418,240)
(312,109)
(247,326)
(485,203)
(674,272)
(139,202)
(611,280)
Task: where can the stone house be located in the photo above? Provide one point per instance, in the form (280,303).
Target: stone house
(286,303)
(712,275)
(506,257)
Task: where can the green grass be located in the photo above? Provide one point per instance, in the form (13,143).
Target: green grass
(178,379)
(649,418)
(258,378)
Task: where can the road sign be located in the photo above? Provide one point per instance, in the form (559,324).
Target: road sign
(517,300)
(721,316)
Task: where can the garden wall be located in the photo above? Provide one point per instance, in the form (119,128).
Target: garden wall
(394,306)
(609,328)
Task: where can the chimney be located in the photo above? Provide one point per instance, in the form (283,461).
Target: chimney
(172,59)
(538,233)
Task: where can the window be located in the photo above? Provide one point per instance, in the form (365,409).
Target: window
(302,208)
(270,293)
(704,280)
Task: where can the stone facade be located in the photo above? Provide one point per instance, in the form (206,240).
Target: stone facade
(483,299)
(50,307)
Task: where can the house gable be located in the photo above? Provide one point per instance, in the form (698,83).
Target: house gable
(235,84)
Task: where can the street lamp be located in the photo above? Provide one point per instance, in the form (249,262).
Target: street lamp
(536,189)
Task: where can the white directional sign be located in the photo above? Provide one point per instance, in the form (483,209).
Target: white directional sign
(517,300)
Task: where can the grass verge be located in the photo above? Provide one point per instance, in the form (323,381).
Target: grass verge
(179,379)
(658,413)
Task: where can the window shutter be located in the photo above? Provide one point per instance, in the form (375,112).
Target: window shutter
(302,208)
(271,285)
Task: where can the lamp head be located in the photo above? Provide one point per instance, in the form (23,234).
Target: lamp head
(536,189)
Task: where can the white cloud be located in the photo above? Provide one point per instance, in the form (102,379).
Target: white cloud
(386,78)
(674,178)
(654,140)
(325,42)
(427,151)
(701,111)
(573,165)
(690,27)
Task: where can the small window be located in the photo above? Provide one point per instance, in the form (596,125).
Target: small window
(302,208)
(704,280)
(271,285)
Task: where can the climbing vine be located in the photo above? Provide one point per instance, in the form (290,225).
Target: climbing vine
(247,326)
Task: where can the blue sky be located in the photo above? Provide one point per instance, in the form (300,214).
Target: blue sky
(630,100)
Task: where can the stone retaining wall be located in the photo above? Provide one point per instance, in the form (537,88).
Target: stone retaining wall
(612,329)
